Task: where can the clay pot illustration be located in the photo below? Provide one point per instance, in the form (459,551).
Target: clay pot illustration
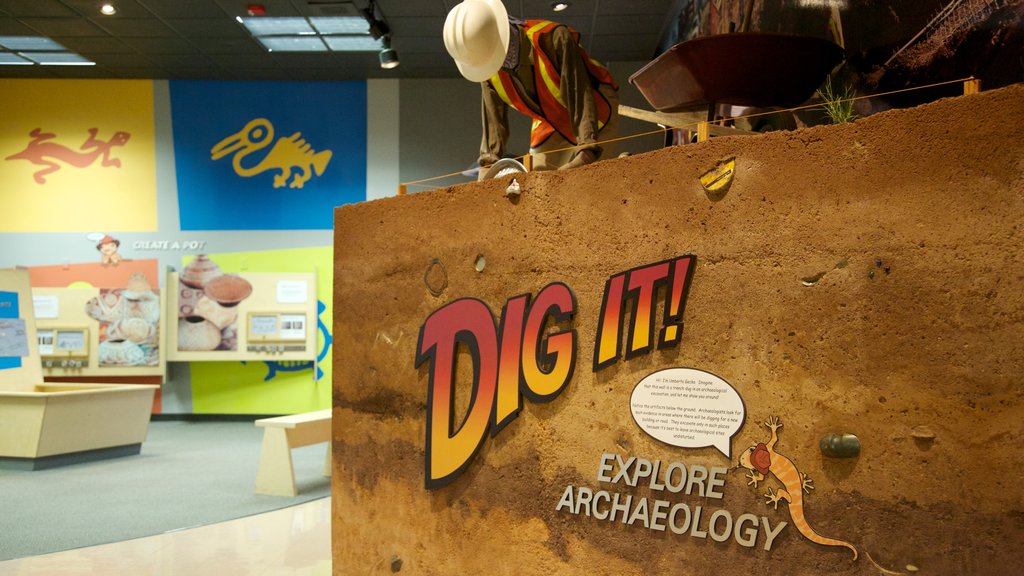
(139,301)
(196,334)
(121,352)
(138,283)
(199,271)
(227,289)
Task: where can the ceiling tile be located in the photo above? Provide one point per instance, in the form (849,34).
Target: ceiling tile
(643,44)
(162,45)
(657,7)
(260,60)
(403,8)
(54,27)
(184,8)
(418,44)
(45,8)
(122,60)
(417,26)
(174,61)
(207,27)
(96,45)
(133,27)
(189,73)
(274,7)
(244,45)
(140,73)
(629,24)
(11,27)
(73,71)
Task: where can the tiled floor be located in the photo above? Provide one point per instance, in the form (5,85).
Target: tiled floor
(288,542)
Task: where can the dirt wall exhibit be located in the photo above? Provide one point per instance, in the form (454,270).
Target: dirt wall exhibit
(619,372)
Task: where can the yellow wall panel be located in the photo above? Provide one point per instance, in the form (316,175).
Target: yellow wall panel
(77,156)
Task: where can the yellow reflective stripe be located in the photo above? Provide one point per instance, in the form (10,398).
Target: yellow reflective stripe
(549,82)
(545,70)
(500,89)
(536,27)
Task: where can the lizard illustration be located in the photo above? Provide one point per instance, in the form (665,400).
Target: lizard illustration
(40,151)
(287,154)
(762,459)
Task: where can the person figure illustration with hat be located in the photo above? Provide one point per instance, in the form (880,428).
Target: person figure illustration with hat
(539,68)
(107,247)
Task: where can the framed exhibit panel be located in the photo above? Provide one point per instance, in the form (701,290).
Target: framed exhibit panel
(253,316)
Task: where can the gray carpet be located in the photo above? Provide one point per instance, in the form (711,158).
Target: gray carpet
(188,474)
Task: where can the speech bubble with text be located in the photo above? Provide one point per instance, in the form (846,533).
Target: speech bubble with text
(688,408)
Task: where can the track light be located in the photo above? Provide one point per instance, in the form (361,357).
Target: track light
(378,28)
(388,57)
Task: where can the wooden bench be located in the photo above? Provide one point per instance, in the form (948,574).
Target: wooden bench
(276,475)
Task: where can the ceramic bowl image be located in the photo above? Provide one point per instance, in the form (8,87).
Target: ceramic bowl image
(121,352)
(199,271)
(228,289)
(197,334)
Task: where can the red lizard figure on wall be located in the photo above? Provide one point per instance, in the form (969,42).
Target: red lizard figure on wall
(39,151)
(762,459)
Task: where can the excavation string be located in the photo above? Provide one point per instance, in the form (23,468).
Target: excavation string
(420,183)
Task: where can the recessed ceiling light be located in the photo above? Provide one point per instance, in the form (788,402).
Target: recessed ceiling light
(340,24)
(8,59)
(292,44)
(353,43)
(269,25)
(57,58)
(108,9)
(34,43)
(559,6)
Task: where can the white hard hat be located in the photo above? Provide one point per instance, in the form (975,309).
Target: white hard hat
(476,35)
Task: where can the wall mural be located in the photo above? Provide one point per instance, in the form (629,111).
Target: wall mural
(52,156)
(77,154)
(266,155)
(287,154)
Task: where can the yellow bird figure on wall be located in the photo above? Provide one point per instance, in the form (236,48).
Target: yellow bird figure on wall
(291,153)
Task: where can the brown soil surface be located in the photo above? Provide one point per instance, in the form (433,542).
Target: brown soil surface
(912,219)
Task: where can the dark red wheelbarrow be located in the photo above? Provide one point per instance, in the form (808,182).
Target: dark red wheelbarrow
(743,69)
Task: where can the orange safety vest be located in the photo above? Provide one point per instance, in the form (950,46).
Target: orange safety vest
(554,114)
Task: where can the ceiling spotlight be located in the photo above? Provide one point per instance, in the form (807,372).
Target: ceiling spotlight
(108,9)
(559,6)
(388,56)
